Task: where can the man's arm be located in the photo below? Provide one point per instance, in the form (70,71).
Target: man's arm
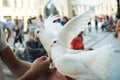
(16,66)
(24,70)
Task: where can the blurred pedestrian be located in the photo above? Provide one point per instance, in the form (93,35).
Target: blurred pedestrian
(41,22)
(64,20)
(105,23)
(111,24)
(77,43)
(21,24)
(4,26)
(89,26)
(29,23)
(18,34)
(96,23)
(118,29)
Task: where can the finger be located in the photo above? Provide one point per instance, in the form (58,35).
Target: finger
(48,60)
(43,58)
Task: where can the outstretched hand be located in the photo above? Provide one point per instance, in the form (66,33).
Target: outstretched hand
(41,65)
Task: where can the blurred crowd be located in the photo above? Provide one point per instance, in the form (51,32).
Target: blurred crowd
(33,48)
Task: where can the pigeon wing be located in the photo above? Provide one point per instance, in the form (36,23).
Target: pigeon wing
(73,26)
(51,26)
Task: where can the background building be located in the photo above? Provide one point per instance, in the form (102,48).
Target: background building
(106,7)
(23,9)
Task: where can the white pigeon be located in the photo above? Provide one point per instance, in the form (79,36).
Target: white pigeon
(86,65)
(65,34)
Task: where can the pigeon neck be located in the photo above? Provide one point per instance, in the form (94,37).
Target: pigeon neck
(57,52)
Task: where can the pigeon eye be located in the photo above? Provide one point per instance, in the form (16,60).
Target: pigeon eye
(37,31)
(54,41)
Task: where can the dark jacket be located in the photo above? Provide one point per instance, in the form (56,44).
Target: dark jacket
(34,49)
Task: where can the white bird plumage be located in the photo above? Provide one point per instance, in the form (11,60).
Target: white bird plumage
(66,33)
(90,65)
(82,66)
(51,26)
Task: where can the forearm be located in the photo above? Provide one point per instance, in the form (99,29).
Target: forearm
(16,66)
(38,72)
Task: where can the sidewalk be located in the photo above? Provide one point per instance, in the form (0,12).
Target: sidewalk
(96,40)
(115,65)
(91,38)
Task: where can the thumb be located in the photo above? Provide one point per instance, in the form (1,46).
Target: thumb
(43,58)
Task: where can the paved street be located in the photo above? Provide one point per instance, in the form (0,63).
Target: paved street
(95,40)
(103,39)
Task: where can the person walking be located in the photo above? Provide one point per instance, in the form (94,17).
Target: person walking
(41,22)
(105,23)
(4,26)
(89,26)
(96,23)
(118,29)
(18,34)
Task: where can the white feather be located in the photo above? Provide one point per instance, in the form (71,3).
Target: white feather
(52,27)
(73,27)
(45,36)
(86,65)
(68,31)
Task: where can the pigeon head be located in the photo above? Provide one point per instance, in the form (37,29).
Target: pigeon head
(56,42)
(38,31)
(45,37)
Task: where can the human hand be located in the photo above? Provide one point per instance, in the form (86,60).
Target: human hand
(41,69)
(3,42)
(41,65)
